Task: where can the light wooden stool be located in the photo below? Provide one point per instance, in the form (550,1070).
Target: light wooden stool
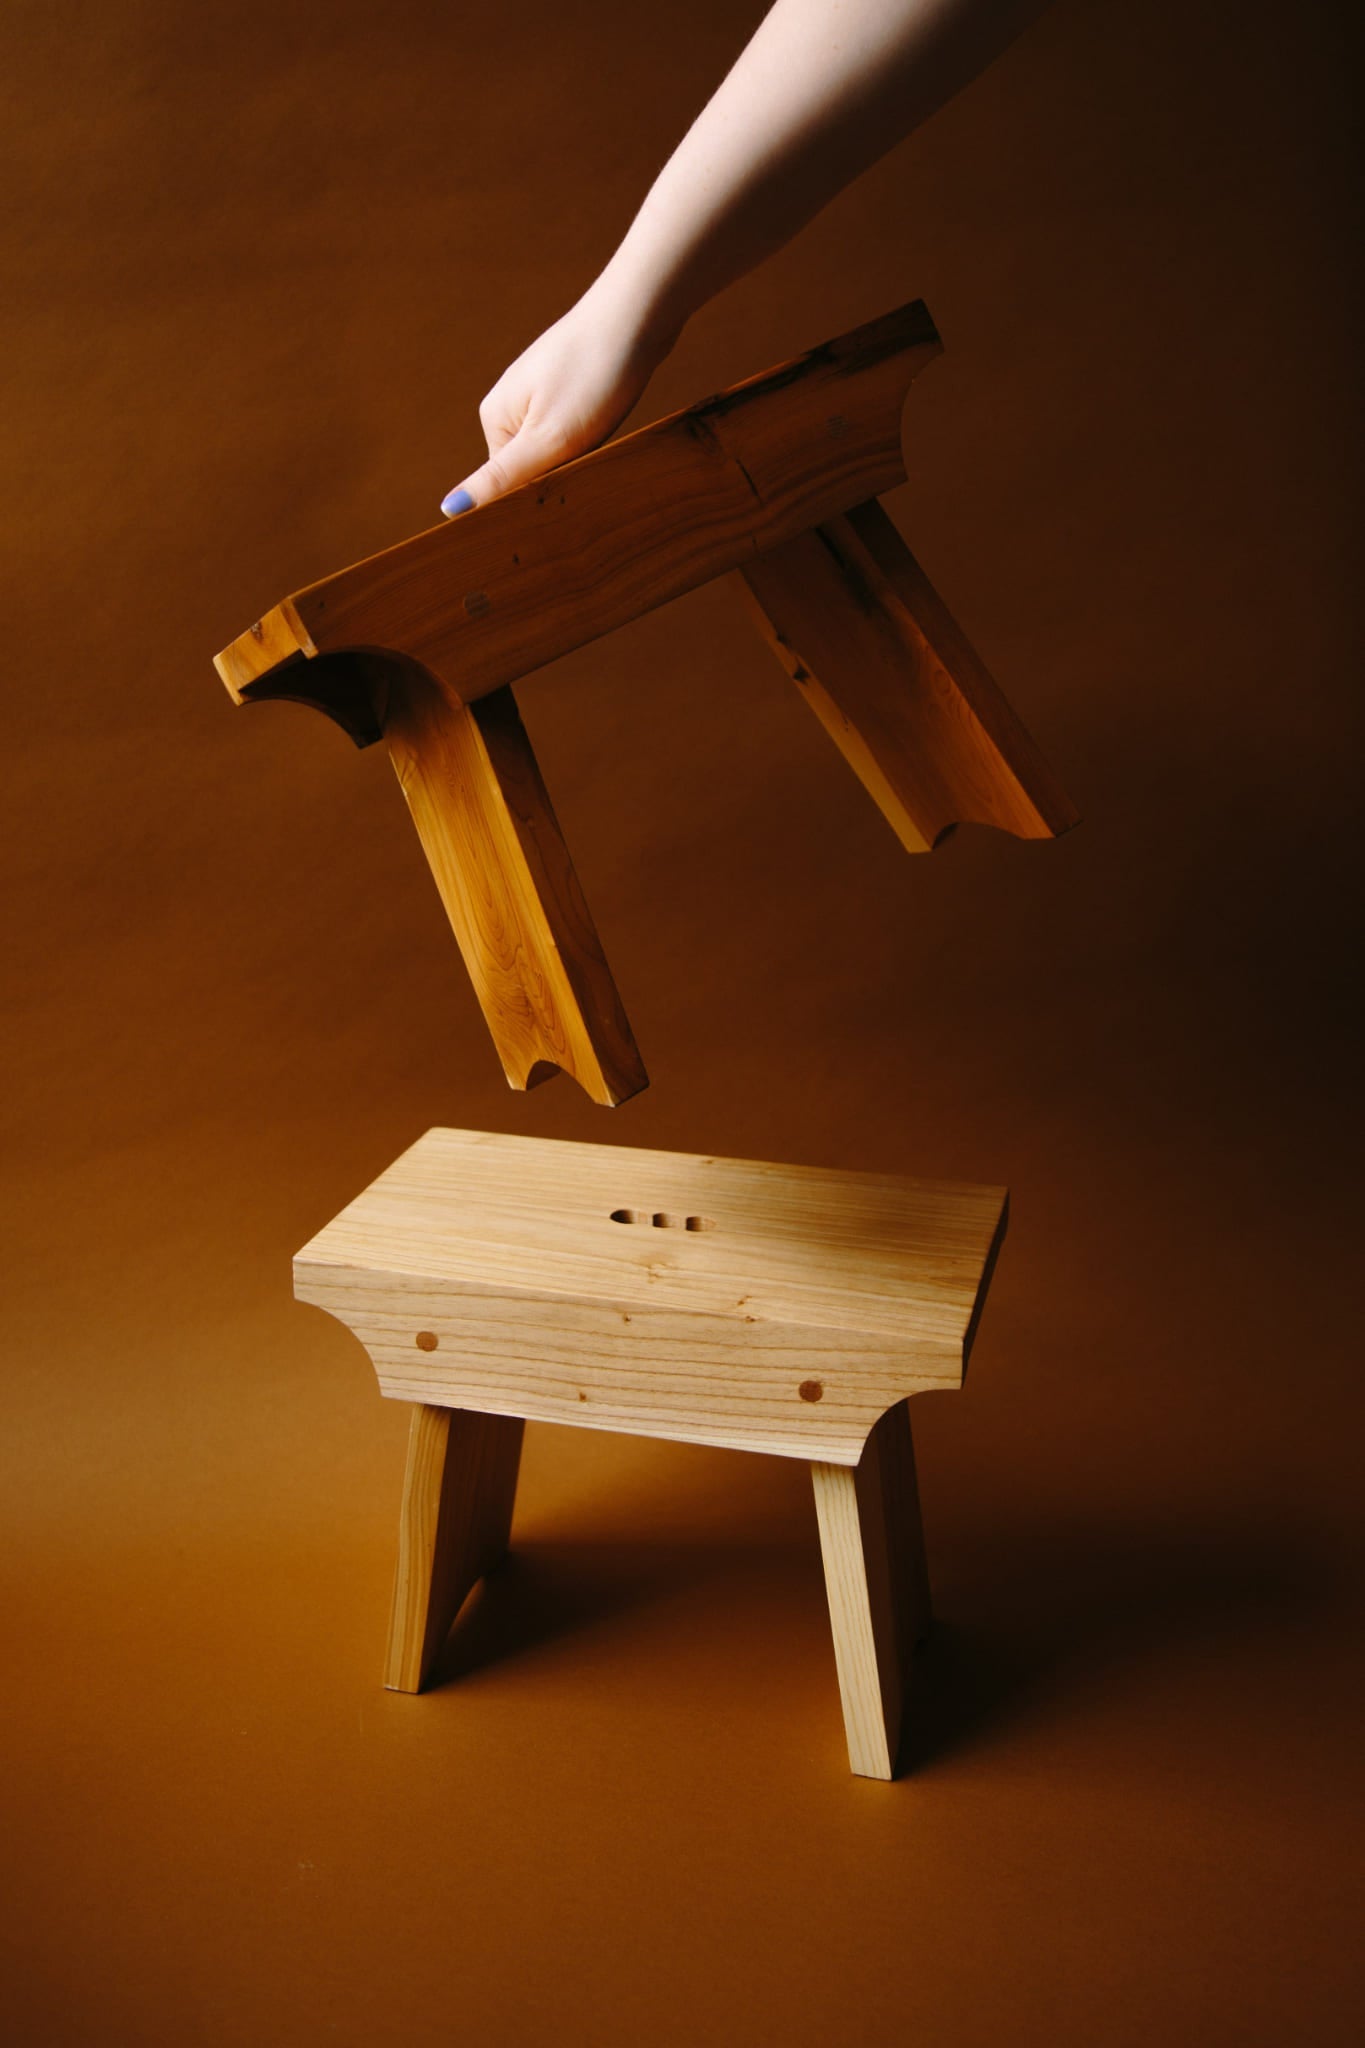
(495,1280)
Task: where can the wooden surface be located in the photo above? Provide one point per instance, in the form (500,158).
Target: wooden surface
(489,1272)
(872,1545)
(510,891)
(759,477)
(895,683)
(485,598)
(458,1489)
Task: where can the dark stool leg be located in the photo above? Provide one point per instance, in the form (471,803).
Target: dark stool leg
(510,891)
(896,684)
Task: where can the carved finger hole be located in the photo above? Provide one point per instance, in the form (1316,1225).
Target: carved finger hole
(427,1340)
(811,1390)
(662,1220)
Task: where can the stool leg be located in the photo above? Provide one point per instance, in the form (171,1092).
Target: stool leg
(878,1587)
(514,901)
(456,1517)
(894,681)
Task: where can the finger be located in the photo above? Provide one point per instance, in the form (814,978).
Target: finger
(526,455)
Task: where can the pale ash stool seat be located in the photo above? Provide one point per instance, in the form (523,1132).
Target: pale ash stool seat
(495,1280)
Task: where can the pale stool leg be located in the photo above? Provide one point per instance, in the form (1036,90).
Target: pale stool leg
(873,1548)
(458,1490)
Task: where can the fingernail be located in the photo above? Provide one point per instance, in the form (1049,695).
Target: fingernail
(457,501)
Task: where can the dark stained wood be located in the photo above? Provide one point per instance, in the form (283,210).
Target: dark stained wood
(776,477)
(484,599)
(513,899)
(896,684)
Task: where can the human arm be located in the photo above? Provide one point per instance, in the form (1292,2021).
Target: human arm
(820,92)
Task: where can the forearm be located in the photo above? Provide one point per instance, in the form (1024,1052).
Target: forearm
(821,91)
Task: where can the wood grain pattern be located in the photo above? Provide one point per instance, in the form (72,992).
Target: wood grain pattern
(895,683)
(758,477)
(514,902)
(458,1490)
(488,1272)
(774,1308)
(872,1545)
(486,598)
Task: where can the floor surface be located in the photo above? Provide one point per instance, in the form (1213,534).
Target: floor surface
(268,259)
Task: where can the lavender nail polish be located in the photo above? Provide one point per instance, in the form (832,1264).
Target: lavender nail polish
(457,501)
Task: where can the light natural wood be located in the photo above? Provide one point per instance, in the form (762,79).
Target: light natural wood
(895,683)
(487,1272)
(775,1308)
(486,598)
(513,899)
(872,1543)
(458,1491)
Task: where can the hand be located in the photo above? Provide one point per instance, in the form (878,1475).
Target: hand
(562,395)
(821,90)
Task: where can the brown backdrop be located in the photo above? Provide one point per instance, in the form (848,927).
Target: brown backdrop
(266,259)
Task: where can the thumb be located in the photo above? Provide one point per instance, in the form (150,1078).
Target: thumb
(516,462)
